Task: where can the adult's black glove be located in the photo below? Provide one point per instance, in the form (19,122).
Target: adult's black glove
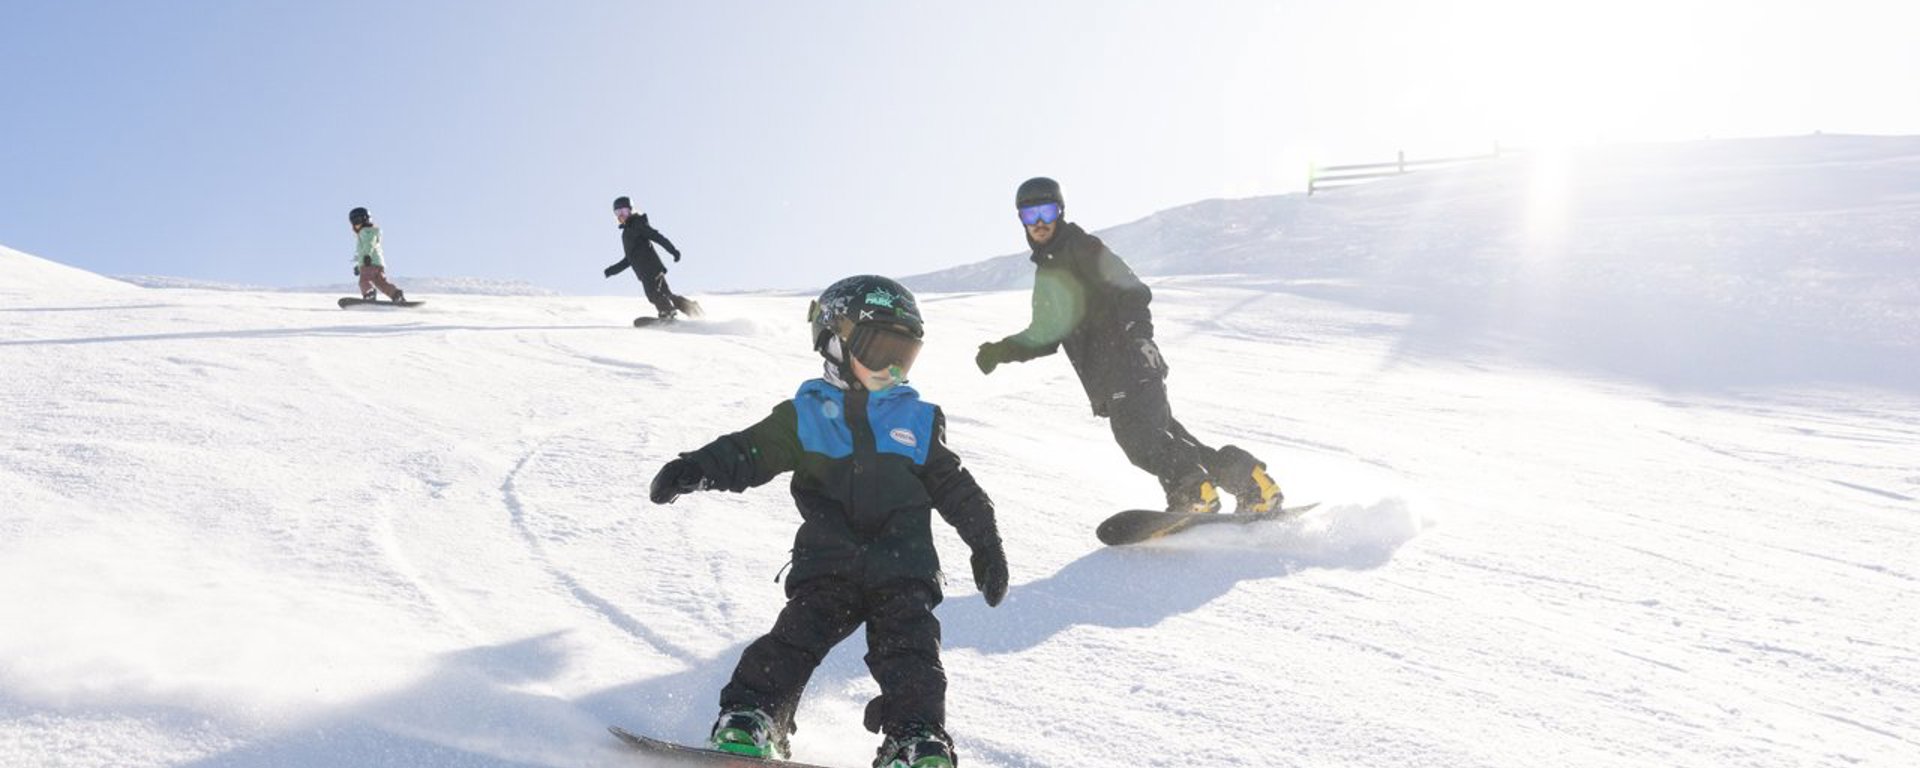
(676,258)
(611,271)
(990,572)
(678,477)
(991,355)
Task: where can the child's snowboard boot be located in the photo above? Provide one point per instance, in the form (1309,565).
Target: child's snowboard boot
(917,746)
(747,732)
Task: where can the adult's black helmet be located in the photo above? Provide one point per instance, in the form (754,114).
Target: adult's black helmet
(862,299)
(1037,190)
(622,202)
(359,217)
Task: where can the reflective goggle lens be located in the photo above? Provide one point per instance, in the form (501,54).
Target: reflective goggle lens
(1043,213)
(882,348)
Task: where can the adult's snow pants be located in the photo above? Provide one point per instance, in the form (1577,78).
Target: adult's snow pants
(1143,424)
(903,652)
(657,291)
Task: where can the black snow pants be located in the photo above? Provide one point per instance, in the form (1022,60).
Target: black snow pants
(655,286)
(1144,426)
(903,652)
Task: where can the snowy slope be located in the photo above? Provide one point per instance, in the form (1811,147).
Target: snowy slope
(1708,263)
(28,276)
(473,286)
(249,529)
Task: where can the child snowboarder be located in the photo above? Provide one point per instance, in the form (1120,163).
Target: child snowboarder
(869,462)
(368,262)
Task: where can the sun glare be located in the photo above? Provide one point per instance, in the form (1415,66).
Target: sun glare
(1544,75)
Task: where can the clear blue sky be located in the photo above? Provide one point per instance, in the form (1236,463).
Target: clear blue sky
(784,144)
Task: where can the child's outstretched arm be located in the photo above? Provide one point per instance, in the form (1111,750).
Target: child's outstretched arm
(967,508)
(733,462)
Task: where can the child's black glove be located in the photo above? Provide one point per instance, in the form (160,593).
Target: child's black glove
(990,572)
(679,476)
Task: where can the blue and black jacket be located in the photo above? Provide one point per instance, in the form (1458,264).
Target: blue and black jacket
(868,471)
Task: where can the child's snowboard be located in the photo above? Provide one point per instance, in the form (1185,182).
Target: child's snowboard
(681,754)
(349,301)
(1137,525)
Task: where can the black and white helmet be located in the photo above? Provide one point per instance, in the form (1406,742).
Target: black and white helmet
(859,300)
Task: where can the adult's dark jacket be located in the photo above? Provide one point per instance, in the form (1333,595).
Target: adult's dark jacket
(868,470)
(637,238)
(1089,303)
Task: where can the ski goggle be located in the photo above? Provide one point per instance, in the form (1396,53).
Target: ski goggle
(1044,213)
(883,348)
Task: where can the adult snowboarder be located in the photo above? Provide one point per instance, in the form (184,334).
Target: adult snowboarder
(636,239)
(369,261)
(1087,301)
(870,463)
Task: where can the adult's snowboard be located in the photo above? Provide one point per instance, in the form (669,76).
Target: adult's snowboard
(349,301)
(685,755)
(647,320)
(1137,525)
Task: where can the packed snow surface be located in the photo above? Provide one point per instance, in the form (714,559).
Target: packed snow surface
(251,529)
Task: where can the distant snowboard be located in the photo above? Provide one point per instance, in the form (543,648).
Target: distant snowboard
(353,302)
(1137,525)
(681,754)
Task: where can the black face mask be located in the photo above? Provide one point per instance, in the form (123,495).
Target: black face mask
(883,348)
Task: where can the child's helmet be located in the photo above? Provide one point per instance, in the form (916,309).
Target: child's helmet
(358,217)
(858,300)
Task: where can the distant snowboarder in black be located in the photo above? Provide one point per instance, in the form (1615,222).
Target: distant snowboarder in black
(1087,301)
(636,239)
(870,464)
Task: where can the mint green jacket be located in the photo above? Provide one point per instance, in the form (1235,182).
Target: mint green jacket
(367,251)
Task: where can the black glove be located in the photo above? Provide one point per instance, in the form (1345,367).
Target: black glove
(356,270)
(990,572)
(610,271)
(1102,408)
(990,356)
(676,258)
(679,476)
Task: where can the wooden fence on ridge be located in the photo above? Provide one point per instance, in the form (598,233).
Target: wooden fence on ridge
(1320,179)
